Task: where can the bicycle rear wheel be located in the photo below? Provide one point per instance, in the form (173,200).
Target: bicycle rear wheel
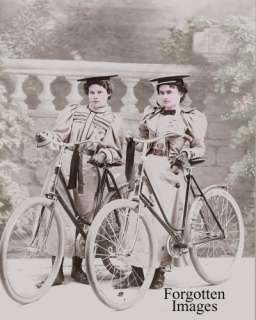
(27,269)
(116,235)
(213,258)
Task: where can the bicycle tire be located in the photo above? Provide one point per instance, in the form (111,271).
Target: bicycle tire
(215,260)
(110,197)
(22,237)
(108,290)
(124,192)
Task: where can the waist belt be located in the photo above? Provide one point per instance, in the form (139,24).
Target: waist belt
(89,152)
(159,152)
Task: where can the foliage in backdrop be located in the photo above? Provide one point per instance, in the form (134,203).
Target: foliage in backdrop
(233,77)
(15,132)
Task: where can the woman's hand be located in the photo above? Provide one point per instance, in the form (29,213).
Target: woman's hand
(129,136)
(181,159)
(99,158)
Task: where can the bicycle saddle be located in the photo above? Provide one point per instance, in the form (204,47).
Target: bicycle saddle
(196,161)
(108,165)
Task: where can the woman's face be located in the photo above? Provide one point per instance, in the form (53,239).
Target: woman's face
(98,96)
(169,96)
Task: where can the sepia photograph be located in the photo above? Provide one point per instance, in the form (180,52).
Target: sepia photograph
(127,159)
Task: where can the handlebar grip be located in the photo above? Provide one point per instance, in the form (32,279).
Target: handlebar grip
(39,138)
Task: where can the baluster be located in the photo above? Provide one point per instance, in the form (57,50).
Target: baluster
(74,95)
(18,96)
(129,98)
(153,98)
(46,97)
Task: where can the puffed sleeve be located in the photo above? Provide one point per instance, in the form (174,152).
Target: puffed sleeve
(114,141)
(197,124)
(63,126)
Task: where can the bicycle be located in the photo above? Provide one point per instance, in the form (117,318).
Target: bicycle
(26,267)
(212,232)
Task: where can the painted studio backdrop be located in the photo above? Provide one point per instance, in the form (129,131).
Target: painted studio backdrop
(46,45)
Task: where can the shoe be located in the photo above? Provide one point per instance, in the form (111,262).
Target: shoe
(135,279)
(77,272)
(158,280)
(80,276)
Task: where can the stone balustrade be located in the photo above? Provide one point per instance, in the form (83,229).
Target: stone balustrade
(47,71)
(219,155)
(129,104)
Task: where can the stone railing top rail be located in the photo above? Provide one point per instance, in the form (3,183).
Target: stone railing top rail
(77,68)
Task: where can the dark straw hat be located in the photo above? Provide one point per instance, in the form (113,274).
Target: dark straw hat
(170,79)
(98,78)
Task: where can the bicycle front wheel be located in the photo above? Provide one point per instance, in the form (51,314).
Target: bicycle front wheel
(121,236)
(27,268)
(124,193)
(214,257)
(113,195)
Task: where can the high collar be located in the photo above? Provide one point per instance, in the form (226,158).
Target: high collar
(164,111)
(183,109)
(101,109)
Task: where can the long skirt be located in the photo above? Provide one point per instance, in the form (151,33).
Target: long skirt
(163,181)
(83,197)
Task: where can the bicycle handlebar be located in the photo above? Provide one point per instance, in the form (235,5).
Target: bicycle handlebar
(168,135)
(67,145)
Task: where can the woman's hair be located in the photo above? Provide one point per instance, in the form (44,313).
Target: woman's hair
(103,83)
(181,86)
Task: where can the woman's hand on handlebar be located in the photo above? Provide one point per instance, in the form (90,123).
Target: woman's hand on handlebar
(129,136)
(156,139)
(99,159)
(181,159)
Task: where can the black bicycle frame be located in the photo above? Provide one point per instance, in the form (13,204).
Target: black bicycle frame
(172,231)
(201,194)
(147,202)
(107,179)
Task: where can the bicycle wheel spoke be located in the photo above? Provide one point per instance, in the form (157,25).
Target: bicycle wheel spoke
(113,231)
(113,271)
(214,258)
(102,248)
(109,240)
(27,266)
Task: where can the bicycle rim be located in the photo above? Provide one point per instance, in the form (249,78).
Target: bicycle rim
(124,192)
(214,259)
(116,236)
(26,257)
